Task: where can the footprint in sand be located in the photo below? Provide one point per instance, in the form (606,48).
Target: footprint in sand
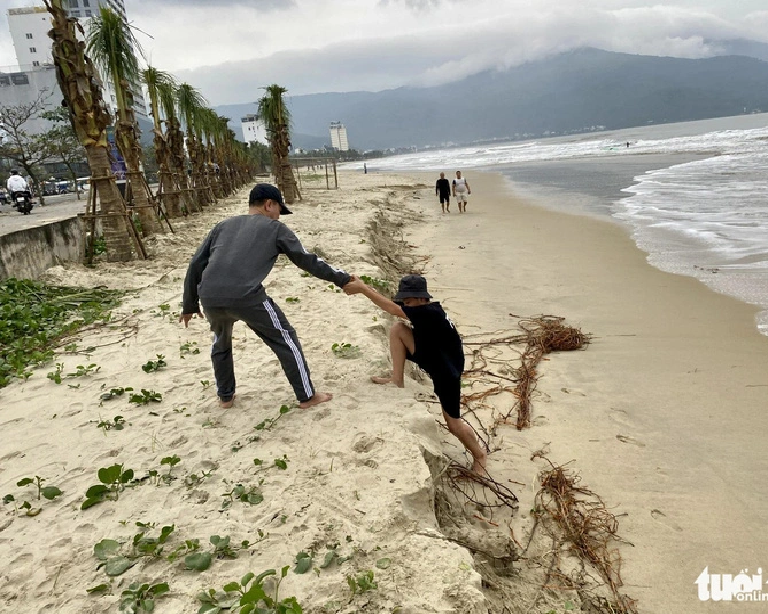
(662,518)
(632,440)
(366,443)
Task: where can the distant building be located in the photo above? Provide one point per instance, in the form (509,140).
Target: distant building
(19,86)
(254,130)
(29,28)
(339,136)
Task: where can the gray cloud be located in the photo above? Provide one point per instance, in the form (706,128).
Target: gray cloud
(426,59)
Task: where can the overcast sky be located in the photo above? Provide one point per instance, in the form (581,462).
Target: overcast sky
(231,48)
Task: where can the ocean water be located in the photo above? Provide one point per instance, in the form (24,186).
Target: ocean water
(694,195)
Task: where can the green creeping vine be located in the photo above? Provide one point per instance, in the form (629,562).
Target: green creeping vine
(154,365)
(113,480)
(34,317)
(249,596)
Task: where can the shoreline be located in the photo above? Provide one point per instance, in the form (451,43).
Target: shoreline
(664,406)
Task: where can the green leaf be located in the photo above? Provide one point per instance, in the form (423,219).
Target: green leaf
(127,476)
(281,463)
(25,481)
(99,588)
(258,462)
(50,492)
(110,475)
(105,549)
(90,503)
(118,565)
(199,561)
(148,605)
(383,563)
(265,574)
(159,589)
(303,563)
(165,532)
(254,497)
(233,587)
(329,556)
(253,595)
(96,491)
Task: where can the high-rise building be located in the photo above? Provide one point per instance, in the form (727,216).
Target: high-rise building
(29,30)
(339,136)
(84,10)
(254,130)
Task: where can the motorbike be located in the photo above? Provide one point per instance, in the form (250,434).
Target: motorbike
(22,200)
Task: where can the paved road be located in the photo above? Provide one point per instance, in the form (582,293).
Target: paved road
(56,208)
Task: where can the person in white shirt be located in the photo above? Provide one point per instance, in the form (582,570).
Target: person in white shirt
(15,183)
(460,191)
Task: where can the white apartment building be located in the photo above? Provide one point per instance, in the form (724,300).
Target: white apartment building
(254,130)
(29,30)
(338,136)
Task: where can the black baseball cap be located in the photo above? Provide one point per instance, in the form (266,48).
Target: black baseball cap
(266,191)
(412,286)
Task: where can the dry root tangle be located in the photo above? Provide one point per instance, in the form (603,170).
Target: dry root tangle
(541,335)
(577,517)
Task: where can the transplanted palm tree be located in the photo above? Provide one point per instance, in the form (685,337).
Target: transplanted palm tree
(155,81)
(175,139)
(190,103)
(111,44)
(89,115)
(276,118)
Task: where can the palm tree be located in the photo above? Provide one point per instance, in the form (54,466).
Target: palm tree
(190,103)
(155,80)
(276,118)
(111,44)
(81,89)
(175,138)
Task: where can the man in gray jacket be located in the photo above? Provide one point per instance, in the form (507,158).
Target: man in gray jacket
(226,275)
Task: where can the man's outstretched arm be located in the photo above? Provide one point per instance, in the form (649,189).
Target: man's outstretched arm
(289,244)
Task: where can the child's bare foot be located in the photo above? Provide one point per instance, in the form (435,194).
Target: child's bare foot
(227,404)
(316,399)
(478,466)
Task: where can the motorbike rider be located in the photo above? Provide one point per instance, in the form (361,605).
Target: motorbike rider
(15,184)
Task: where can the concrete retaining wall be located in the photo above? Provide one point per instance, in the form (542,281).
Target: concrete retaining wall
(26,254)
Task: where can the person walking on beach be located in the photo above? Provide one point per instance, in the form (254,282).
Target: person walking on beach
(443,190)
(226,275)
(433,343)
(460,191)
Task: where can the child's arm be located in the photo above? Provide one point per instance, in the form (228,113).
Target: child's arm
(358,286)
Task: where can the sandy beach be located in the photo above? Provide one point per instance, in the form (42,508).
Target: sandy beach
(662,416)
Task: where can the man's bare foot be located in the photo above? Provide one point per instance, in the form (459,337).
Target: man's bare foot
(227,404)
(316,399)
(386,380)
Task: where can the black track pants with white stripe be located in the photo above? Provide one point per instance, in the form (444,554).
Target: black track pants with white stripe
(270,324)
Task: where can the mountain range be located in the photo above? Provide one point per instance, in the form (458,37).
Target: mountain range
(570,92)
